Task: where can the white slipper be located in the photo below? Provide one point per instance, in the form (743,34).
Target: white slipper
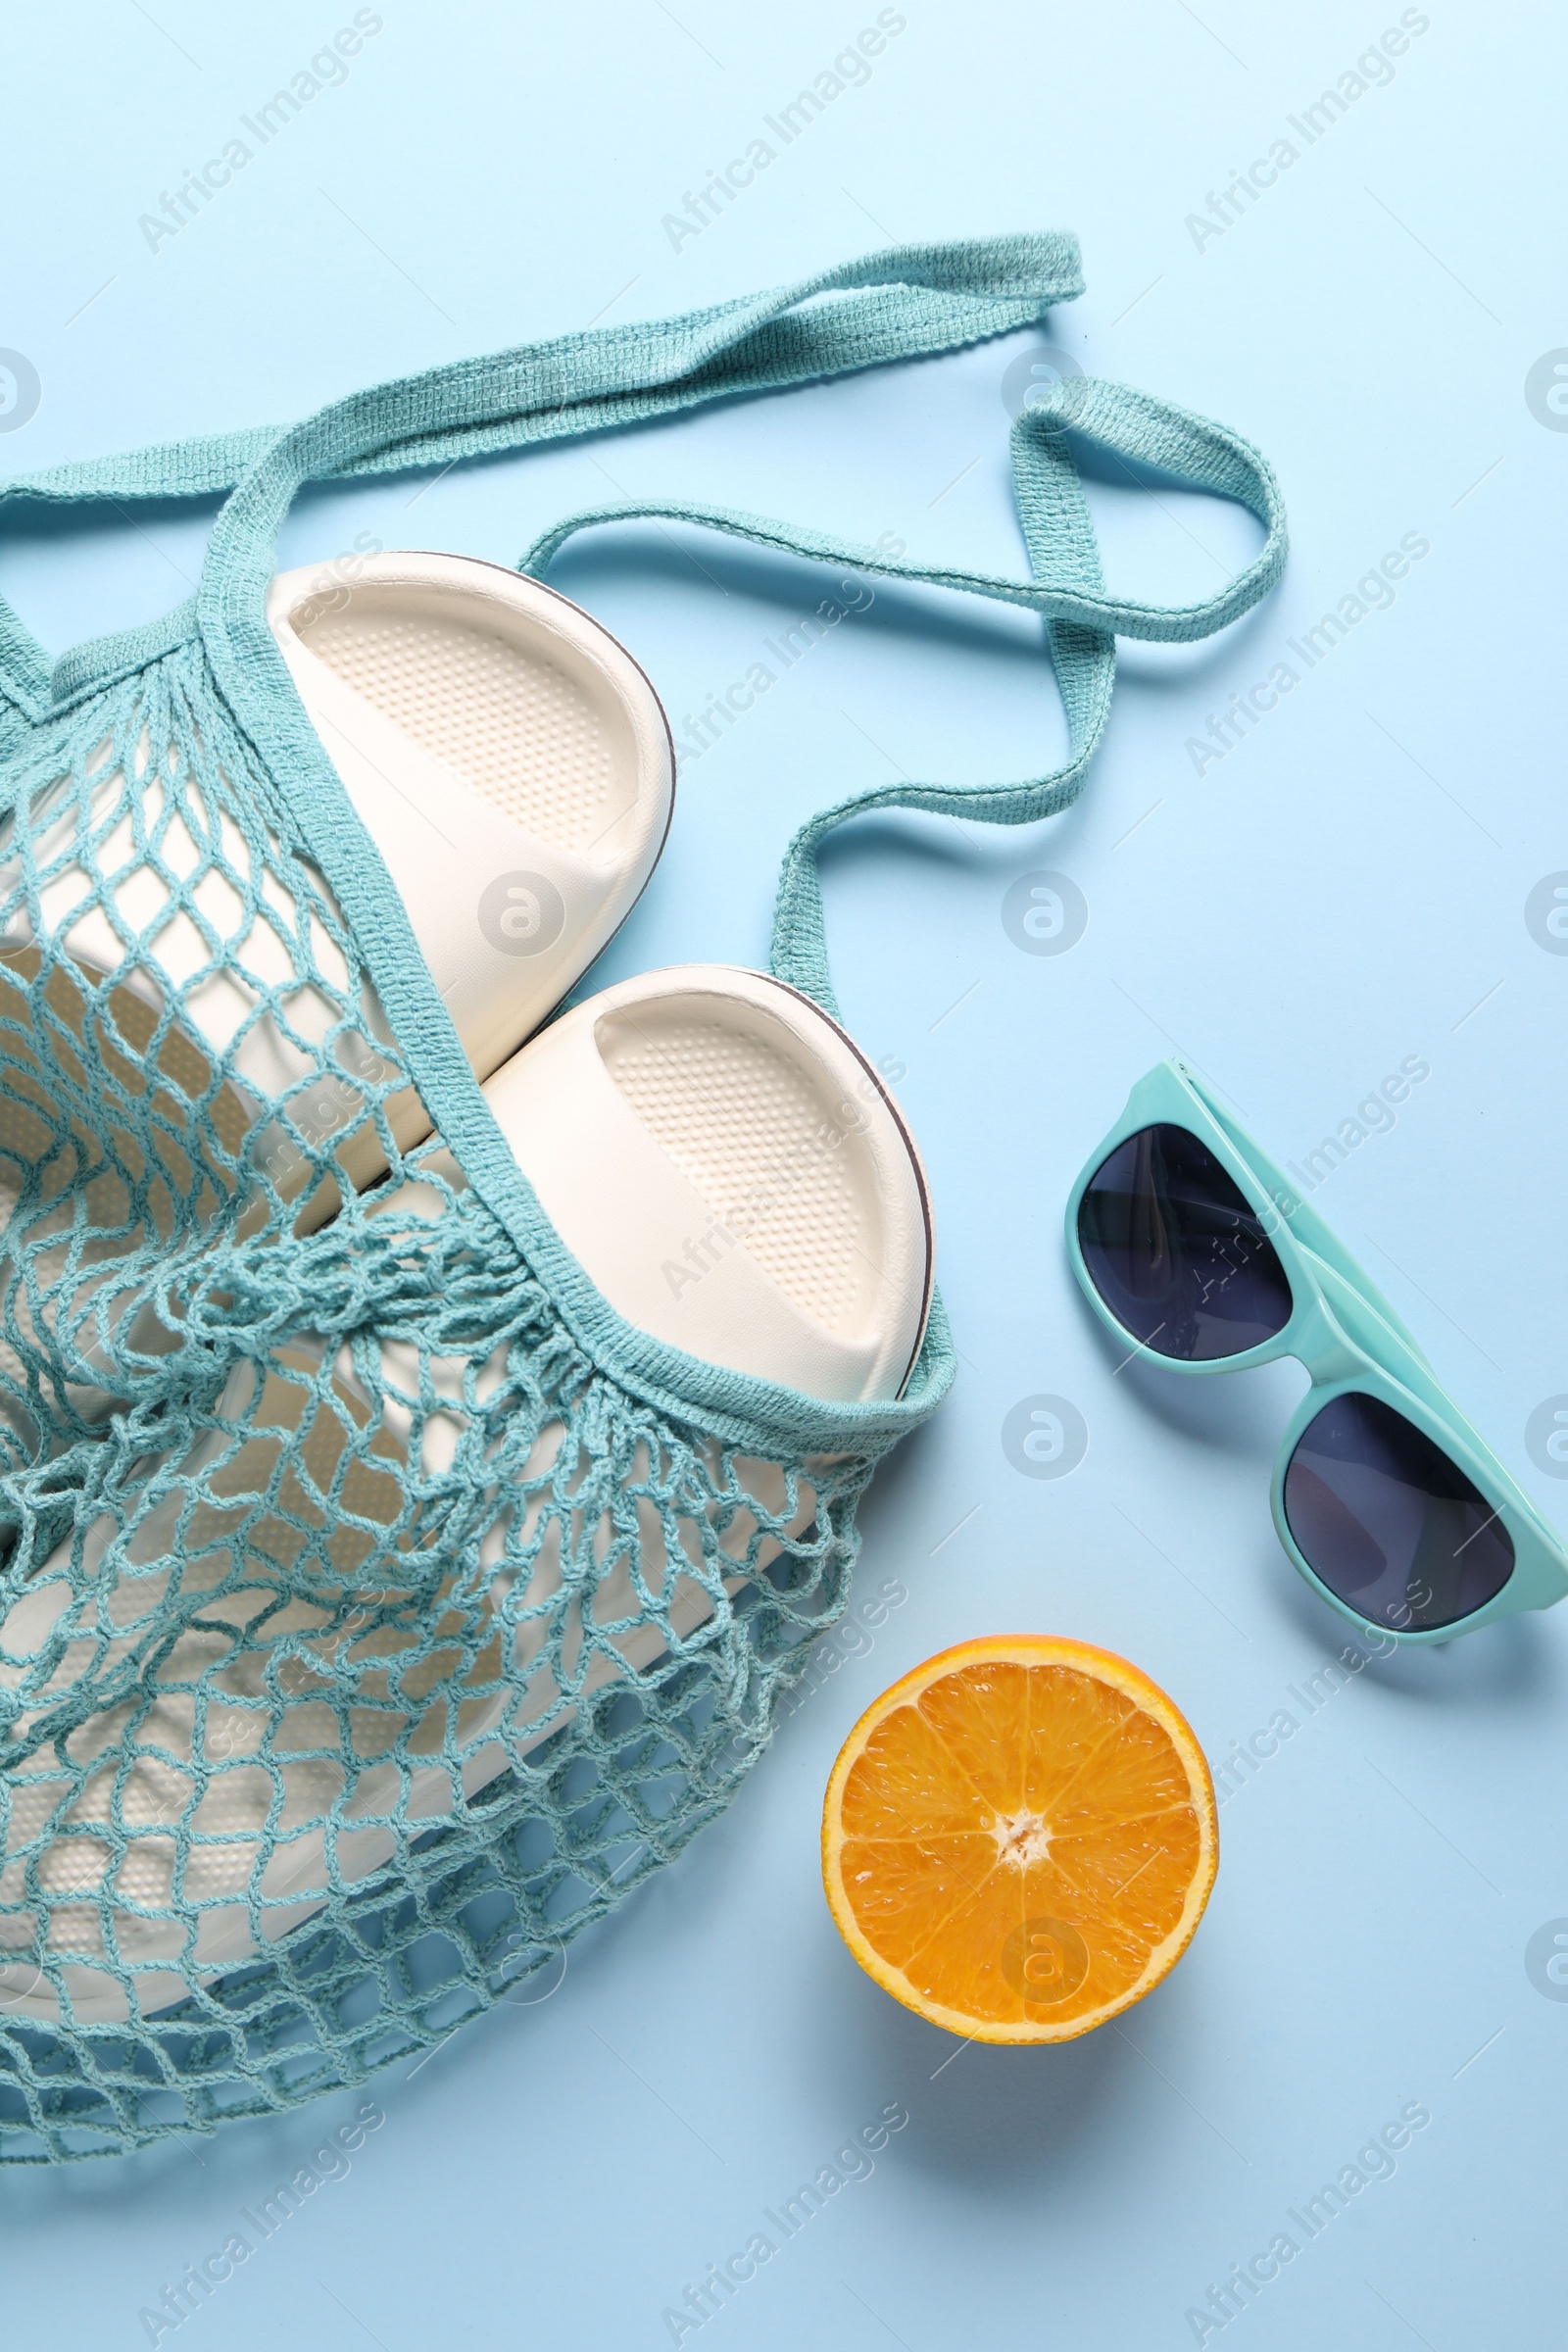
(510,760)
(751,1194)
(705,1119)
(512,764)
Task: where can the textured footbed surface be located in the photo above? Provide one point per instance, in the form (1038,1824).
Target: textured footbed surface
(511,722)
(757,1133)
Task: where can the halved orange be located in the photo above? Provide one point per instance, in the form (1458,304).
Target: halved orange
(1019,1839)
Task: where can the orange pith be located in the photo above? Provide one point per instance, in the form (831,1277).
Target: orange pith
(1019,1839)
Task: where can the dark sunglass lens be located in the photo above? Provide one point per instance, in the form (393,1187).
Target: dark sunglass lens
(1389,1522)
(1176,1251)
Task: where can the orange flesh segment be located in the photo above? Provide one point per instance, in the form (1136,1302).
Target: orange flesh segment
(1019,1839)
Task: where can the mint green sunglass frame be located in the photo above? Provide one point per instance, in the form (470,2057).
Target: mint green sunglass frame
(1347,1335)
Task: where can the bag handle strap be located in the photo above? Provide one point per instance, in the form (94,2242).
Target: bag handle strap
(1065,587)
(1129,425)
(904,303)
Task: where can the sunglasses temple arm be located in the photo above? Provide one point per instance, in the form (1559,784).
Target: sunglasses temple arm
(1303,1221)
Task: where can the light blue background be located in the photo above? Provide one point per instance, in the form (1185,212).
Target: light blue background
(1340,892)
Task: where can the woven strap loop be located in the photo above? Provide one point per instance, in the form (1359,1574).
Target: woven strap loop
(1067,589)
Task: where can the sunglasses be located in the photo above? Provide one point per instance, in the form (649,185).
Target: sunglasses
(1190,1244)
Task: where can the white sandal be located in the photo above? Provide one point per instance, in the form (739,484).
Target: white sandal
(733,1177)
(508,757)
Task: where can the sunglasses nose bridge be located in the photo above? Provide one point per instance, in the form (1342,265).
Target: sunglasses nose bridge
(1313,1335)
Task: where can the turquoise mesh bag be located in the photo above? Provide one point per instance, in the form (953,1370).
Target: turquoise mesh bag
(409,1608)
